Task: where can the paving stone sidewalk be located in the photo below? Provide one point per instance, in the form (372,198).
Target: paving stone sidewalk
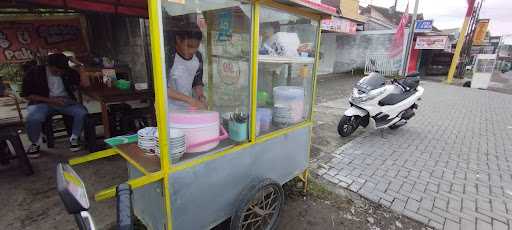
(450,167)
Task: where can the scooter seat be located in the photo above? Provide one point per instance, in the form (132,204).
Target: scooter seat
(411,82)
(413,74)
(396,98)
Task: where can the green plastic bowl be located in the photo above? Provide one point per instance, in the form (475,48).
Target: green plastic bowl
(122,84)
(263,98)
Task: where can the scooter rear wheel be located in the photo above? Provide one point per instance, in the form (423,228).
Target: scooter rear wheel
(347,125)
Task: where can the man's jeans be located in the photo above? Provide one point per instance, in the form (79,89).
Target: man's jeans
(38,113)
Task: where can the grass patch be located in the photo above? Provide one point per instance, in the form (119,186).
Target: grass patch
(319,191)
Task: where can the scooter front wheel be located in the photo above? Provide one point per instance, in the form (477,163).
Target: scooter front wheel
(347,125)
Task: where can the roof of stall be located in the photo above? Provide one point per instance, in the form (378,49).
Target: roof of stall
(139,7)
(126,7)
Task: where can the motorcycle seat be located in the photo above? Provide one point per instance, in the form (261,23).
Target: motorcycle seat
(395,98)
(410,83)
(413,74)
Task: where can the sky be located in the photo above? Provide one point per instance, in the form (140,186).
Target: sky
(449,14)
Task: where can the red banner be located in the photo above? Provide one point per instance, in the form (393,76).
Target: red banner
(24,39)
(471,5)
(397,46)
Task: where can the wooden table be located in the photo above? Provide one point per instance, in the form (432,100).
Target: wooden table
(144,163)
(113,95)
(9,131)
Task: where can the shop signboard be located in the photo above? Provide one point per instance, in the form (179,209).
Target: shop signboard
(484,49)
(431,42)
(495,39)
(339,25)
(480,31)
(423,26)
(23,39)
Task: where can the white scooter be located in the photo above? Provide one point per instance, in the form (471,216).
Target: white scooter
(379,105)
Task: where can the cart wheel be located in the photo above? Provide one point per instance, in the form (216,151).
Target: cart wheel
(259,207)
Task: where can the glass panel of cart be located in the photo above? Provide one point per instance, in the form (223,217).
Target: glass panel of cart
(285,66)
(207,50)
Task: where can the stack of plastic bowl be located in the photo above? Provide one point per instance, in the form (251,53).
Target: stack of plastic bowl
(146,139)
(281,116)
(263,120)
(177,144)
(288,105)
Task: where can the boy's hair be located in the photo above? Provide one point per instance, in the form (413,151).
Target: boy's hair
(189,31)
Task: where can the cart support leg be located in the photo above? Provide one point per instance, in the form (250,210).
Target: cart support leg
(92,156)
(304,177)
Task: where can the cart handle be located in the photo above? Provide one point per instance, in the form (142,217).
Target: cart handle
(224,135)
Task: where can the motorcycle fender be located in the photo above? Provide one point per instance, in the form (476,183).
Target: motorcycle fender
(354,111)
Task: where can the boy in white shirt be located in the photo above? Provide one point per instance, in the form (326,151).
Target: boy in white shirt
(185,78)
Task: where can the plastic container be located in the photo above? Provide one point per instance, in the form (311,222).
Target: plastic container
(140,86)
(122,84)
(201,129)
(238,131)
(119,140)
(263,98)
(291,97)
(263,120)
(285,44)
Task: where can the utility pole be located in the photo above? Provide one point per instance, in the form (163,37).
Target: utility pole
(497,52)
(468,42)
(460,42)
(410,39)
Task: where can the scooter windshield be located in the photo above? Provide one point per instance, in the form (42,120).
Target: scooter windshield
(371,82)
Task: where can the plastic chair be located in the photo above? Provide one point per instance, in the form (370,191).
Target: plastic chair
(51,130)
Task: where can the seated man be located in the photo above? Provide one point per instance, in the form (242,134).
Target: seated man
(3,90)
(4,149)
(49,89)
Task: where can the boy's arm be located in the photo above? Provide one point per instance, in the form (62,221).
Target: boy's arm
(175,95)
(26,84)
(199,92)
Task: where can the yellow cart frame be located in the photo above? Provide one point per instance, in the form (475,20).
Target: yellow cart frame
(167,168)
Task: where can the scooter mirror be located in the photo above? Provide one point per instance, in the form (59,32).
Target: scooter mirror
(71,189)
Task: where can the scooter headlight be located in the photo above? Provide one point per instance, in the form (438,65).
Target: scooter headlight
(359,96)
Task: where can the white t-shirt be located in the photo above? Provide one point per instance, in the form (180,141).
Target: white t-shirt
(55,85)
(181,78)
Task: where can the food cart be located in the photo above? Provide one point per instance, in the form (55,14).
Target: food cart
(260,60)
